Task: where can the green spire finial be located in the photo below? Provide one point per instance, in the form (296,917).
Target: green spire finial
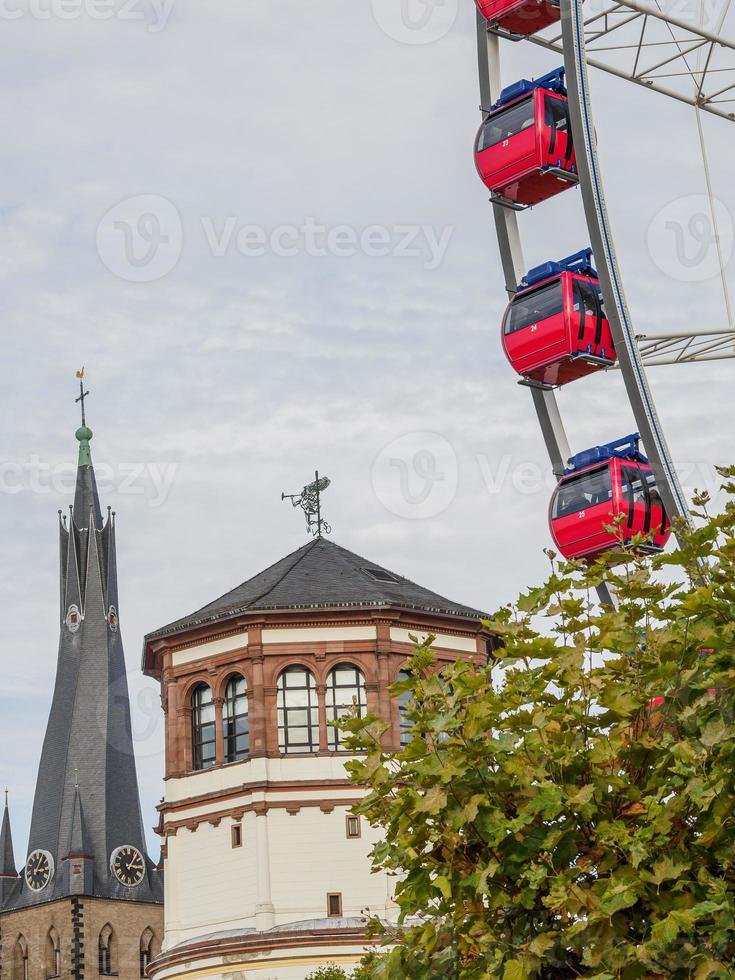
(85,455)
(83,434)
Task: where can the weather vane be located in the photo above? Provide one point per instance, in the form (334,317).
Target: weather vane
(82,394)
(309,500)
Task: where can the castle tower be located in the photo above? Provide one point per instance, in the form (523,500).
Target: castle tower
(267,870)
(88,898)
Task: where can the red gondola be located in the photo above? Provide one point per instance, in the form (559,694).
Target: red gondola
(601,484)
(555,329)
(519,17)
(524,150)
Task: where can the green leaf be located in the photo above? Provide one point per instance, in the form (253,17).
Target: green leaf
(516,970)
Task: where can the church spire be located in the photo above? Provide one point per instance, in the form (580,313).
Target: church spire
(87,756)
(8,873)
(7,858)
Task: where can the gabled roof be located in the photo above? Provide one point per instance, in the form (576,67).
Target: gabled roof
(321,575)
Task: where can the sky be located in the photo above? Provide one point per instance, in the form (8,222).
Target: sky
(259,228)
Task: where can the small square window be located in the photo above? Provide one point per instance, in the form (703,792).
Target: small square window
(353,826)
(334,905)
(237,835)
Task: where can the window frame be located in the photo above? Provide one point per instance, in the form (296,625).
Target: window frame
(284,709)
(405,736)
(104,951)
(579,481)
(509,111)
(52,939)
(510,327)
(337,709)
(146,952)
(198,742)
(337,897)
(230,718)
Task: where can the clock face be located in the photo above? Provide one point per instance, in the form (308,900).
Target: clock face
(39,870)
(127,865)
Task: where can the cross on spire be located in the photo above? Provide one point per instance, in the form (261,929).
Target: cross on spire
(309,500)
(82,395)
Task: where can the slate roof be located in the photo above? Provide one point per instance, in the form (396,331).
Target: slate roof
(86,798)
(321,575)
(7,860)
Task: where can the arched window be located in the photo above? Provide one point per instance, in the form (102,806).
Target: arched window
(298,711)
(146,951)
(53,954)
(203,727)
(236,724)
(106,951)
(404,700)
(345,690)
(20,959)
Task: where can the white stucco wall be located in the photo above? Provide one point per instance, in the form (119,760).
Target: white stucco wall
(212,887)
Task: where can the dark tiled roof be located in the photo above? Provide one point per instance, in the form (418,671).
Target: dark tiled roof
(321,575)
(87,754)
(7,860)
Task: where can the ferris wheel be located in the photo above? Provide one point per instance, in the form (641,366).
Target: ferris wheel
(568,317)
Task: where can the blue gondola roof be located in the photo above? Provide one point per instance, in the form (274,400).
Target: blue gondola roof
(628,447)
(580,262)
(553,81)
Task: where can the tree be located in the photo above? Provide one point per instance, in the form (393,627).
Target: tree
(329,972)
(569,811)
(333,972)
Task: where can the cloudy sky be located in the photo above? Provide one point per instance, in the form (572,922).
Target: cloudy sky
(259,228)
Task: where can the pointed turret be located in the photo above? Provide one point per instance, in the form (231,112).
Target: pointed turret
(8,873)
(86,803)
(79,859)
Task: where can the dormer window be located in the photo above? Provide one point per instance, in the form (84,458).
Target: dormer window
(112,619)
(380,575)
